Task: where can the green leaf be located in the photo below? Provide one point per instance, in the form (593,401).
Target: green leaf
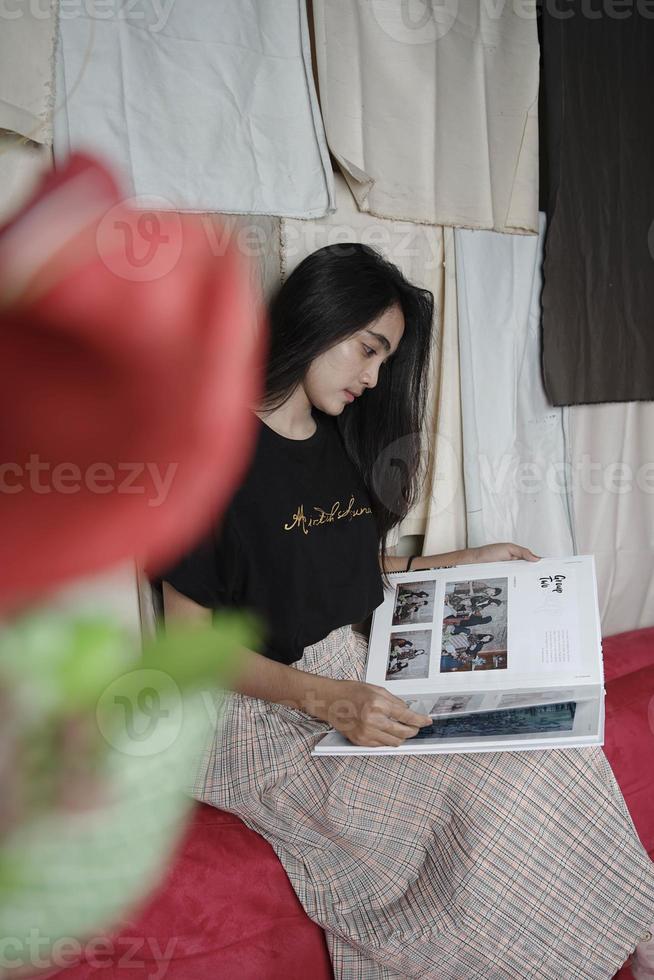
(192,652)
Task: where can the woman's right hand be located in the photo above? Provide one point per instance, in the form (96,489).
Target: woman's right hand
(364,713)
(369,715)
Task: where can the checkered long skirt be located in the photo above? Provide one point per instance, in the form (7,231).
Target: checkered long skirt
(453,867)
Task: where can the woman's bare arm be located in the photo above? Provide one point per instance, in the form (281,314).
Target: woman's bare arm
(365,713)
(398,563)
(503,551)
(180,607)
(260,676)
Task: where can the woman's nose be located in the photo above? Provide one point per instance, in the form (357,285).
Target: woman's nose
(370,377)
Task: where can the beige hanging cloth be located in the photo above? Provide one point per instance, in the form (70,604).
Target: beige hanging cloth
(445,505)
(22,163)
(612,477)
(425,254)
(27,38)
(431,108)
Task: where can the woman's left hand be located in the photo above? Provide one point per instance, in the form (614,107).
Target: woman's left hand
(505,551)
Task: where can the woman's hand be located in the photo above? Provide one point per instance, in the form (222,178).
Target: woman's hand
(369,715)
(505,551)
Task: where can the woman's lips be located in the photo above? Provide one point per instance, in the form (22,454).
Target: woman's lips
(348,395)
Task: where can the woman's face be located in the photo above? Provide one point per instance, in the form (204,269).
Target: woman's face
(344,371)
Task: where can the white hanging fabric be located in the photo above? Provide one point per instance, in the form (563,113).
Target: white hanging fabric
(27,41)
(418,250)
(203,105)
(514,442)
(612,479)
(431,109)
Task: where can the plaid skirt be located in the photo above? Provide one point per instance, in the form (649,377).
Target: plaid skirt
(453,867)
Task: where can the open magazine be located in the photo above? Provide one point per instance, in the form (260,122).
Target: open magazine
(504,656)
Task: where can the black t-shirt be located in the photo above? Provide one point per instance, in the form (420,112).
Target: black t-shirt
(298,543)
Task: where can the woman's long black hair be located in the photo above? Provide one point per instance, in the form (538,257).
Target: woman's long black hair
(332,294)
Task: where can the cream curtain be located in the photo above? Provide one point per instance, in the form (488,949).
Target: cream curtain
(27,39)
(21,163)
(612,478)
(431,108)
(444,527)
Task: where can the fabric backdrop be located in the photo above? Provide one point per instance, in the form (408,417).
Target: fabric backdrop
(598,296)
(431,109)
(514,441)
(207,104)
(27,42)
(612,478)
(21,164)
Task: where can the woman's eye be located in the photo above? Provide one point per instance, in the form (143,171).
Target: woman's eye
(369,351)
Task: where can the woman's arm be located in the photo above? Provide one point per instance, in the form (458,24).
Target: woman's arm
(504,551)
(398,563)
(260,676)
(364,713)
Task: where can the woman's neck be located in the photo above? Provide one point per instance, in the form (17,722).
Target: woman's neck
(293,419)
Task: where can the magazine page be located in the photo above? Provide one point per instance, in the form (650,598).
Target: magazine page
(566,724)
(488,628)
(463,703)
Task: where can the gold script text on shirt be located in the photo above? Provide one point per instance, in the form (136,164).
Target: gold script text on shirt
(300,520)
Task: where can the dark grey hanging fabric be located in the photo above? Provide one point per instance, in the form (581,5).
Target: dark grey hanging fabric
(598,129)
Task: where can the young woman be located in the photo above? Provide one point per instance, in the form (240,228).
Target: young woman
(461,867)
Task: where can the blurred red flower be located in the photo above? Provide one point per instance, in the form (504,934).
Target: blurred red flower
(130,355)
